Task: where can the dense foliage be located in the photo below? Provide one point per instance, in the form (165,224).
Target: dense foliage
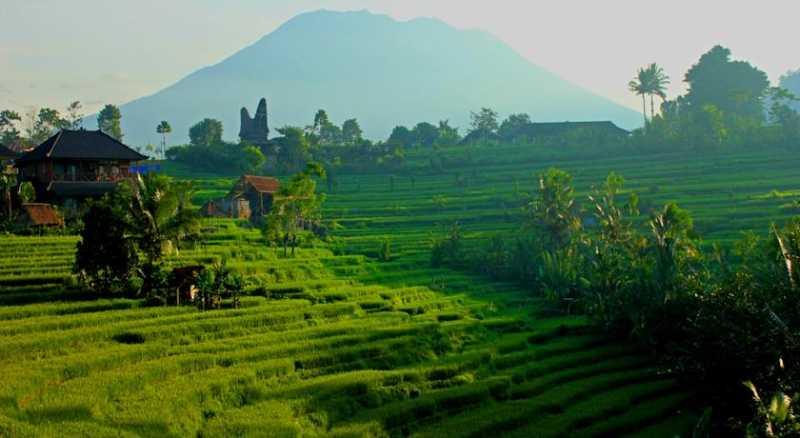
(718,317)
(127,233)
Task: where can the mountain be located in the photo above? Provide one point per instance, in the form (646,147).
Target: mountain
(381,71)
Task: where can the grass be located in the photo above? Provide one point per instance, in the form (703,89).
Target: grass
(335,342)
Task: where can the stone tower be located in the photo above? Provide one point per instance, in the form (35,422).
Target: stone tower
(255,130)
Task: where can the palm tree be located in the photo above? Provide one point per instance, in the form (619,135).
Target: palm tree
(163,128)
(649,81)
(658,81)
(640,86)
(160,217)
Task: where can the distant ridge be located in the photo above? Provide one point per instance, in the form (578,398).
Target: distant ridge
(382,71)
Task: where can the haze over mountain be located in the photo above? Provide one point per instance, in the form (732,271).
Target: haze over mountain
(381,71)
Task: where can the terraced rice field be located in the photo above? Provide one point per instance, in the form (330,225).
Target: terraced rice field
(333,342)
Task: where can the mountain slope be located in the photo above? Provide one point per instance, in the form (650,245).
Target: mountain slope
(381,71)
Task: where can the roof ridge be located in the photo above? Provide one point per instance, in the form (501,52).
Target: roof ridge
(144,157)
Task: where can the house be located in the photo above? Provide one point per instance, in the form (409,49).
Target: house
(76,164)
(550,130)
(35,215)
(184,280)
(250,198)
(555,129)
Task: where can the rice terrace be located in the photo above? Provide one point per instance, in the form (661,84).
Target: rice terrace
(482,249)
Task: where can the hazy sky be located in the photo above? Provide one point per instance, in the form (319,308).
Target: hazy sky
(103,51)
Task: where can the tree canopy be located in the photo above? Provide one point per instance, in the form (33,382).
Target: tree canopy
(735,87)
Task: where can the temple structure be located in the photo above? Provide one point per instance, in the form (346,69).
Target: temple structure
(255,130)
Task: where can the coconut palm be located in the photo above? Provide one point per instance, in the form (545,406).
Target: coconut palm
(640,86)
(658,81)
(649,81)
(163,128)
(160,214)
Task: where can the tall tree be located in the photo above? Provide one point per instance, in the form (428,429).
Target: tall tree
(108,120)
(163,128)
(207,132)
(74,117)
(513,126)
(160,217)
(657,81)
(9,134)
(296,203)
(735,87)
(46,123)
(351,132)
(425,134)
(641,87)
(295,149)
(484,121)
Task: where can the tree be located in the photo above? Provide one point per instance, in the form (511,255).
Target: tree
(296,203)
(657,85)
(554,212)
(26,192)
(401,135)
(448,135)
(106,258)
(74,117)
(7,183)
(207,132)
(160,217)
(46,123)
(641,87)
(321,121)
(163,128)
(108,120)
(9,134)
(294,151)
(484,121)
(425,134)
(735,87)
(514,126)
(351,132)
(251,159)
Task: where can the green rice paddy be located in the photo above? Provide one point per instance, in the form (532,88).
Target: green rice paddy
(333,342)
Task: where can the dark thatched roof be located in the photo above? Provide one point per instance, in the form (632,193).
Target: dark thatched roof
(558,128)
(41,215)
(82,144)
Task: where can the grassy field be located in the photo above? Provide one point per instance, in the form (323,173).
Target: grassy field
(335,342)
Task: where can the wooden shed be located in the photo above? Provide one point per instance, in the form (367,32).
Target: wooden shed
(39,216)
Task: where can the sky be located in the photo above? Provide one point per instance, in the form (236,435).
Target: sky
(53,52)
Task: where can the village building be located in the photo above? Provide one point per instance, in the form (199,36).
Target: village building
(552,130)
(555,129)
(255,131)
(250,198)
(39,216)
(76,164)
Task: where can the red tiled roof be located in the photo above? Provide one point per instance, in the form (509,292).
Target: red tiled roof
(262,184)
(42,214)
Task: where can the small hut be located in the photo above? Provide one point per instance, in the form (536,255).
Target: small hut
(250,198)
(39,216)
(184,281)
